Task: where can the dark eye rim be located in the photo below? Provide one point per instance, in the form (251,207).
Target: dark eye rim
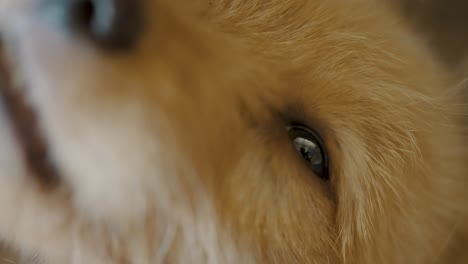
(299,128)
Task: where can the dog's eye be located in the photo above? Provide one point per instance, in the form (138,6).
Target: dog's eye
(311,149)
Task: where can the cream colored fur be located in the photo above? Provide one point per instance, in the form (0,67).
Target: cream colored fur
(176,152)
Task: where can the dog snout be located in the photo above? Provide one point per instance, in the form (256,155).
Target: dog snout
(108,24)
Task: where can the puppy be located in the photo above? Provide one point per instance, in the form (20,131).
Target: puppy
(225,131)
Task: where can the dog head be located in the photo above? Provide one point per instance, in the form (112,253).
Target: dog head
(223,132)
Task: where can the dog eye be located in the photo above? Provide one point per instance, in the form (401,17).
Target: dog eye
(310,148)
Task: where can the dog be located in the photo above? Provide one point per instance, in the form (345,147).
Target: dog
(226,131)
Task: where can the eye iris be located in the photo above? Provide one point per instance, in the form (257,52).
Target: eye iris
(309,146)
(309,150)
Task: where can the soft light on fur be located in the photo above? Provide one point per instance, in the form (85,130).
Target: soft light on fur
(177,152)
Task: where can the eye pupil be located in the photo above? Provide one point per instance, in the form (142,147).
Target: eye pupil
(309,146)
(306,153)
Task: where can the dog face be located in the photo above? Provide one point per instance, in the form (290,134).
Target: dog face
(224,132)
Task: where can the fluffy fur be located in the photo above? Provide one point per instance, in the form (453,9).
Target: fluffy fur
(176,151)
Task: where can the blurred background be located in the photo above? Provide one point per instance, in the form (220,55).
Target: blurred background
(444,24)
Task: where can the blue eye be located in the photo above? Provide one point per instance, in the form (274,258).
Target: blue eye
(310,148)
